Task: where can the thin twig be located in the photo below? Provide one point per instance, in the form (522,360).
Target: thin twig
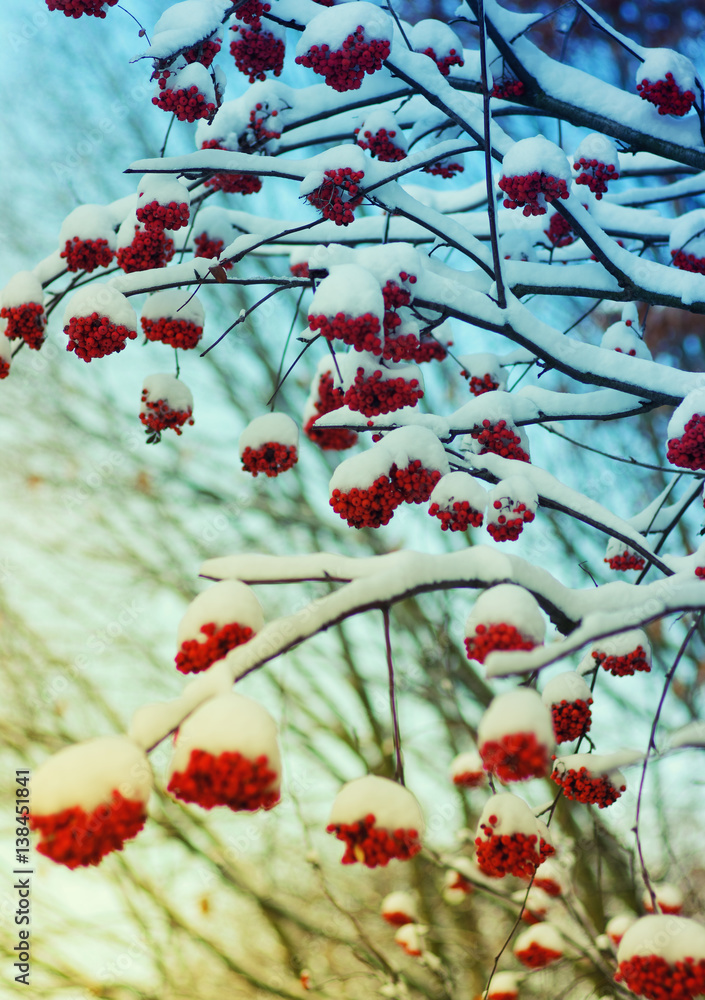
(399,768)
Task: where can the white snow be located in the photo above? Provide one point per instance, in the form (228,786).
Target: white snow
(484,364)
(512,815)
(599,764)
(224,603)
(400,902)
(393,805)
(22,288)
(434,34)
(336,158)
(270,427)
(511,604)
(88,222)
(545,935)
(86,774)
(623,337)
(231,125)
(658,62)
(617,645)
(690,735)
(382,118)
(104,300)
(407,444)
(185,24)
(596,146)
(671,938)
(568,686)
(536,153)
(409,937)
(332,26)
(618,925)
(693,403)
(229,723)
(666,893)
(504,984)
(518,244)
(688,233)
(468,762)
(518,711)
(349,289)
(174,303)
(162,188)
(175,393)
(360,471)
(459,486)
(193,75)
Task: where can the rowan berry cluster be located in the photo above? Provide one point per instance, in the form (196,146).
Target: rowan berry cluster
(159,415)
(203,53)
(25,322)
(444,63)
(195,656)
(270,458)
(624,665)
(536,956)
(667,96)
(86,255)
(173,215)
(367,508)
(76,838)
(700,572)
(95,336)
(626,560)
(414,483)
(339,195)
(257,52)
(299,270)
(206,247)
(187,103)
(360,332)
(344,68)
(174,332)
(75,8)
(479,385)
(260,132)
(507,90)
(330,398)
(380,144)
(499,439)
(653,977)
(373,845)
(581,786)
(688,451)
(595,174)
(395,296)
(560,232)
(516,756)
(228,779)
(149,248)
(251,11)
(459,517)
(444,168)
(688,261)
(531,191)
(507,529)
(571,719)
(508,854)
(468,779)
(497,636)
(375,394)
(230,183)
(4,368)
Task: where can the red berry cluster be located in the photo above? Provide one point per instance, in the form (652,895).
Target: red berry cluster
(688,262)
(498,636)
(231,183)
(380,144)
(535,956)
(515,757)
(160,416)
(571,719)
(479,385)
(76,838)
(195,656)
(560,231)
(626,560)
(360,332)
(508,854)
(228,779)
(625,665)
(330,398)
(595,790)
(344,68)
(339,195)
(459,517)
(74,8)
(259,130)
(203,53)
(444,168)
(374,845)
(367,508)
(667,96)
(188,104)
(174,332)
(95,336)
(270,458)
(595,174)
(257,52)
(499,439)
(375,394)
(688,452)
(630,354)
(653,977)
(507,90)
(414,483)
(468,779)
(25,322)
(508,529)
(549,885)
(395,296)
(206,247)
(174,215)
(251,11)
(4,368)
(700,572)
(299,270)
(452,59)
(524,191)
(149,248)
(86,255)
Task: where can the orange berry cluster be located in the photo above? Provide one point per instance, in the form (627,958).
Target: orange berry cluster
(195,656)
(228,779)
(373,845)
(688,262)
(339,195)
(653,977)
(373,506)
(76,838)
(508,854)
(468,779)
(251,11)
(86,255)
(95,336)
(515,757)
(375,394)
(480,384)
(203,53)
(535,956)
(459,517)
(344,68)
(25,322)
(160,416)
(444,168)
(257,52)
(667,96)
(330,398)
(206,247)
(508,89)
(581,786)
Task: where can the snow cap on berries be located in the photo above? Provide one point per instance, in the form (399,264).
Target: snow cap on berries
(174,317)
(222,617)
(378,819)
(409,937)
(381,134)
(326,396)
(508,839)
(436,39)
(99,320)
(184,25)
(536,903)
(89,798)
(669,898)
(539,946)
(345,42)
(686,432)
(269,444)
(618,925)
(518,244)
(504,986)
(348,306)
(515,736)
(595,163)
(226,753)
(456,887)
(551,878)
(535,172)
(568,698)
(511,504)
(22,305)
(623,338)
(166,404)
(86,228)
(399,908)
(162,202)
(467,771)
(459,501)
(22,288)
(372,387)
(483,372)
(621,655)
(503,617)
(189,92)
(592,778)
(623,557)
(687,242)
(667,80)
(663,956)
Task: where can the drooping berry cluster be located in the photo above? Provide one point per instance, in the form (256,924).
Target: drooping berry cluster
(626,560)
(149,248)
(203,53)
(580,785)
(445,167)
(595,174)
(330,398)
(508,854)
(507,90)
(261,133)
(174,215)
(688,451)
(251,11)
(339,195)
(257,52)
(516,756)
(479,385)
(231,183)
(75,8)
(76,838)
(688,262)
(95,336)
(468,779)
(536,956)
(381,144)
(86,255)
(174,332)
(414,482)
(270,458)
(499,438)
(531,191)
(373,845)
(374,394)
(507,526)
(571,719)
(653,977)
(187,103)
(360,332)
(344,68)
(625,665)
(459,517)
(453,58)
(25,322)
(4,368)
(667,96)
(159,415)
(300,269)
(228,779)
(560,232)
(395,297)
(367,508)
(195,656)
(497,636)
(206,247)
